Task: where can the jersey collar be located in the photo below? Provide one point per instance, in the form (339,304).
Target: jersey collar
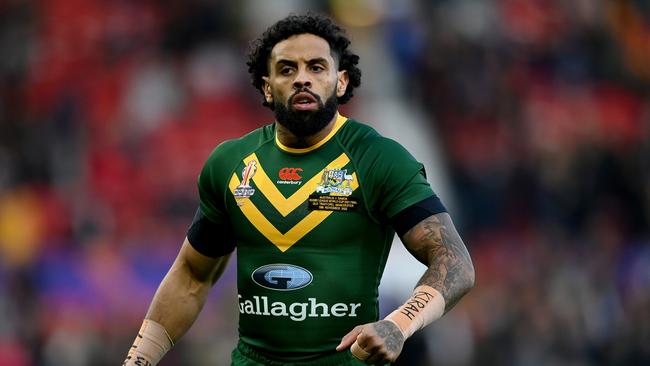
(340,121)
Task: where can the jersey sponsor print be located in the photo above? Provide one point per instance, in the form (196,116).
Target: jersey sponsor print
(311,233)
(290,176)
(296,311)
(282,277)
(287,277)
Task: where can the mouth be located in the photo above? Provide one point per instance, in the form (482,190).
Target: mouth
(304,101)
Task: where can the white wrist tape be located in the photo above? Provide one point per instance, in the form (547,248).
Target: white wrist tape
(421,309)
(150,345)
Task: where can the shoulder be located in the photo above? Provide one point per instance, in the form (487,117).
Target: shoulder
(362,140)
(225,158)
(236,149)
(354,133)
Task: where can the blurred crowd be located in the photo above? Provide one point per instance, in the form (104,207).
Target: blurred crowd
(109,108)
(544,109)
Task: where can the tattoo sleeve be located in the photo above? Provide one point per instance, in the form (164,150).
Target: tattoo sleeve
(436,243)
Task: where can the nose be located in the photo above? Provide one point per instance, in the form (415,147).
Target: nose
(302,80)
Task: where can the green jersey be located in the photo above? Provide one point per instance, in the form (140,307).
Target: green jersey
(312,233)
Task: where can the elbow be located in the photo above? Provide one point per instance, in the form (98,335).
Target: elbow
(194,283)
(471,280)
(470,277)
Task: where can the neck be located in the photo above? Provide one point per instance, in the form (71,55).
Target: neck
(299,142)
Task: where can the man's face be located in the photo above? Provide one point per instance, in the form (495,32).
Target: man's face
(303,84)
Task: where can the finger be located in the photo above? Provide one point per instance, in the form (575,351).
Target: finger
(358,352)
(349,338)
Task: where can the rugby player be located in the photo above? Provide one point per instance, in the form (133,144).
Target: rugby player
(312,203)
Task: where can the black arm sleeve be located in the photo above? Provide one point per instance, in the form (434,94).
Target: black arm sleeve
(210,238)
(406,219)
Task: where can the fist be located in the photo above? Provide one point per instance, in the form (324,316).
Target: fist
(374,343)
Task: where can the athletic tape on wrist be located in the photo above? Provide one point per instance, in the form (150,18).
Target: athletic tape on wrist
(421,309)
(150,345)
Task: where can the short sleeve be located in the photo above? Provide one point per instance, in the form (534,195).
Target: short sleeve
(412,191)
(211,186)
(210,201)
(211,232)
(398,180)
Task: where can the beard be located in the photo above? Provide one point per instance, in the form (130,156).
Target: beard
(305,123)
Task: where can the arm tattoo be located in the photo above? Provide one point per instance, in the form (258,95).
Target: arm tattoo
(436,243)
(393,337)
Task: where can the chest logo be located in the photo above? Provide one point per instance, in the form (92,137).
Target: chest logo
(267,187)
(244,189)
(282,277)
(335,181)
(290,176)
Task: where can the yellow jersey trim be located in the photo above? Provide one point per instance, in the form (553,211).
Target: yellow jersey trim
(340,121)
(285,206)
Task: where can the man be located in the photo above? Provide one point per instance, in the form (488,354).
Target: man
(311,203)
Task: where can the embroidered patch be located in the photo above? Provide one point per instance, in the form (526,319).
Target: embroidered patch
(335,181)
(244,189)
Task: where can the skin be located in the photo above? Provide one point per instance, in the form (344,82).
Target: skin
(303,61)
(184,290)
(436,243)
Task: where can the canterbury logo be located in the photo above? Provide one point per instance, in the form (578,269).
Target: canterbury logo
(290,174)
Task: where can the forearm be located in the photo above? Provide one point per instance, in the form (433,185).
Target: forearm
(449,274)
(452,283)
(178,300)
(450,271)
(176,305)
(451,280)
(174,308)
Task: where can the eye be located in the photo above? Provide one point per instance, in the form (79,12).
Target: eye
(316,68)
(286,70)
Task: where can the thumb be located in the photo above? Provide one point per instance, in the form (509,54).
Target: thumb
(349,338)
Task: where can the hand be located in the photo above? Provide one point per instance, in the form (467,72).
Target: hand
(374,343)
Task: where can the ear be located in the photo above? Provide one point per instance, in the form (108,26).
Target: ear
(268,96)
(343,80)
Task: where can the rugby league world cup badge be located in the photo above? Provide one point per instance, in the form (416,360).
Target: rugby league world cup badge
(244,189)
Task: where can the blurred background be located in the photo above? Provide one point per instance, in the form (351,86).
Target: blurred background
(532,117)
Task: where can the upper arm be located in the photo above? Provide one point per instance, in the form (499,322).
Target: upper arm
(202,268)
(434,236)
(396,179)
(436,243)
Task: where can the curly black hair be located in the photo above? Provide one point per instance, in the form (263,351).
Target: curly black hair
(316,24)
